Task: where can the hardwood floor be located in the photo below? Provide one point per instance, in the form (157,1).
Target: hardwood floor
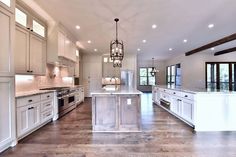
(162,136)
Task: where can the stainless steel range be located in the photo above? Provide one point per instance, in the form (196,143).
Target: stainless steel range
(65,99)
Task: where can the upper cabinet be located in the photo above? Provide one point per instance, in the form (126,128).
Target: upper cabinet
(60,46)
(30,44)
(8,5)
(6,42)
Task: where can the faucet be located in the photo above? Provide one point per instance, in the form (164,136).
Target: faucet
(113,77)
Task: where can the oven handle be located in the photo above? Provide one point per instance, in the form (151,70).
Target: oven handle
(164,101)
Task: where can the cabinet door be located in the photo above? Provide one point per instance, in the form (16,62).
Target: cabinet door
(23,125)
(21,51)
(71,71)
(7,110)
(6,43)
(175,105)
(61,44)
(34,116)
(187,110)
(37,55)
(67,48)
(77,69)
(129,112)
(104,113)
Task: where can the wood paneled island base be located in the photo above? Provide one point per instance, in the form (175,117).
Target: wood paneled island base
(116,112)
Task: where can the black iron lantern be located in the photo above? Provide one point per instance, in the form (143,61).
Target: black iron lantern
(116,47)
(154,70)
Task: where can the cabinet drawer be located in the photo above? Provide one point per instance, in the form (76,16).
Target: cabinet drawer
(46,96)
(27,100)
(46,105)
(188,96)
(176,93)
(46,115)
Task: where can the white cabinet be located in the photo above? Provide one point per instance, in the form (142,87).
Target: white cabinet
(30,51)
(175,105)
(8,5)
(6,43)
(33,112)
(60,46)
(37,55)
(187,110)
(28,118)
(7,110)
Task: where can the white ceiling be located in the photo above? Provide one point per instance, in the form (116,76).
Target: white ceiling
(175,19)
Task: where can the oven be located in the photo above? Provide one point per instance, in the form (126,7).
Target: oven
(165,104)
(66,102)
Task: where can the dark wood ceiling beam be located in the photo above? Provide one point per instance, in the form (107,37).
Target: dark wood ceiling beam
(213,44)
(225,51)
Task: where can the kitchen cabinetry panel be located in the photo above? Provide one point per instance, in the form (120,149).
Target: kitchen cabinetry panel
(187,110)
(61,44)
(22,120)
(6,43)
(21,50)
(37,55)
(129,112)
(7,123)
(8,5)
(107,106)
(30,51)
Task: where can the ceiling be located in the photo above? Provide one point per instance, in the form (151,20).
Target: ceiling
(176,20)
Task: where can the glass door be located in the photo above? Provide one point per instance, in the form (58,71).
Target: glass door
(211,76)
(224,76)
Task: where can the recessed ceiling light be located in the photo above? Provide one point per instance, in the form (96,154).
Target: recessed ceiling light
(154,26)
(211,26)
(77,27)
(144,41)
(95,50)
(89,41)
(212,49)
(185,40)
(138,49)
(170,49)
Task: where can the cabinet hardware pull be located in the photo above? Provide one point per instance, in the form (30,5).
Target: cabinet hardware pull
(30,108)
(48,96)
(28,28)
(31,30)
(30,100)
(48,104)
(48,115)
(174,93)
(185,96)
(28,71)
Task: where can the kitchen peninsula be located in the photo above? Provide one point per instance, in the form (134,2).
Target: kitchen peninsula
(203,109)
(116,109)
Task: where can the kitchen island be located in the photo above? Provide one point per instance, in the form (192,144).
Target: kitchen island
(202,109)
(116,109)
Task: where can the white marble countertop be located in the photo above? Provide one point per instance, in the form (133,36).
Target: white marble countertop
(118,90)
(33,92)
(38,91)
(195,90)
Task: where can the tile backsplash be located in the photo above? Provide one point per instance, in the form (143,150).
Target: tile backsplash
(55,76)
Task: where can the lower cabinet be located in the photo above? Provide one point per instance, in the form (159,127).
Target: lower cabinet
(28,117)
(33,112)
(187,110)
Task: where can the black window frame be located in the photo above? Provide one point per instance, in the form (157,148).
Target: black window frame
(231,81)
(148,75)
(172,75)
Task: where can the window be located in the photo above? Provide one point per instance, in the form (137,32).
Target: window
(220,75)
(7,2)
(38,28)
(173,73)
(145,77)
(21,17)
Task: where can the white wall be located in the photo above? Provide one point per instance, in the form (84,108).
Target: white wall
(92,70)
(160,77)
(193,67)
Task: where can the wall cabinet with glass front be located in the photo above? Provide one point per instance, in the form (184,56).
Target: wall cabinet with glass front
(8,5)
(30,45)
(221,75)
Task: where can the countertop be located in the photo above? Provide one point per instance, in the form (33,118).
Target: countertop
(195,90)
(33,92)
(117,91)
(38,91)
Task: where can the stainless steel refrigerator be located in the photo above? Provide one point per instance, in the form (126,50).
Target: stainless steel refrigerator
(127,78)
